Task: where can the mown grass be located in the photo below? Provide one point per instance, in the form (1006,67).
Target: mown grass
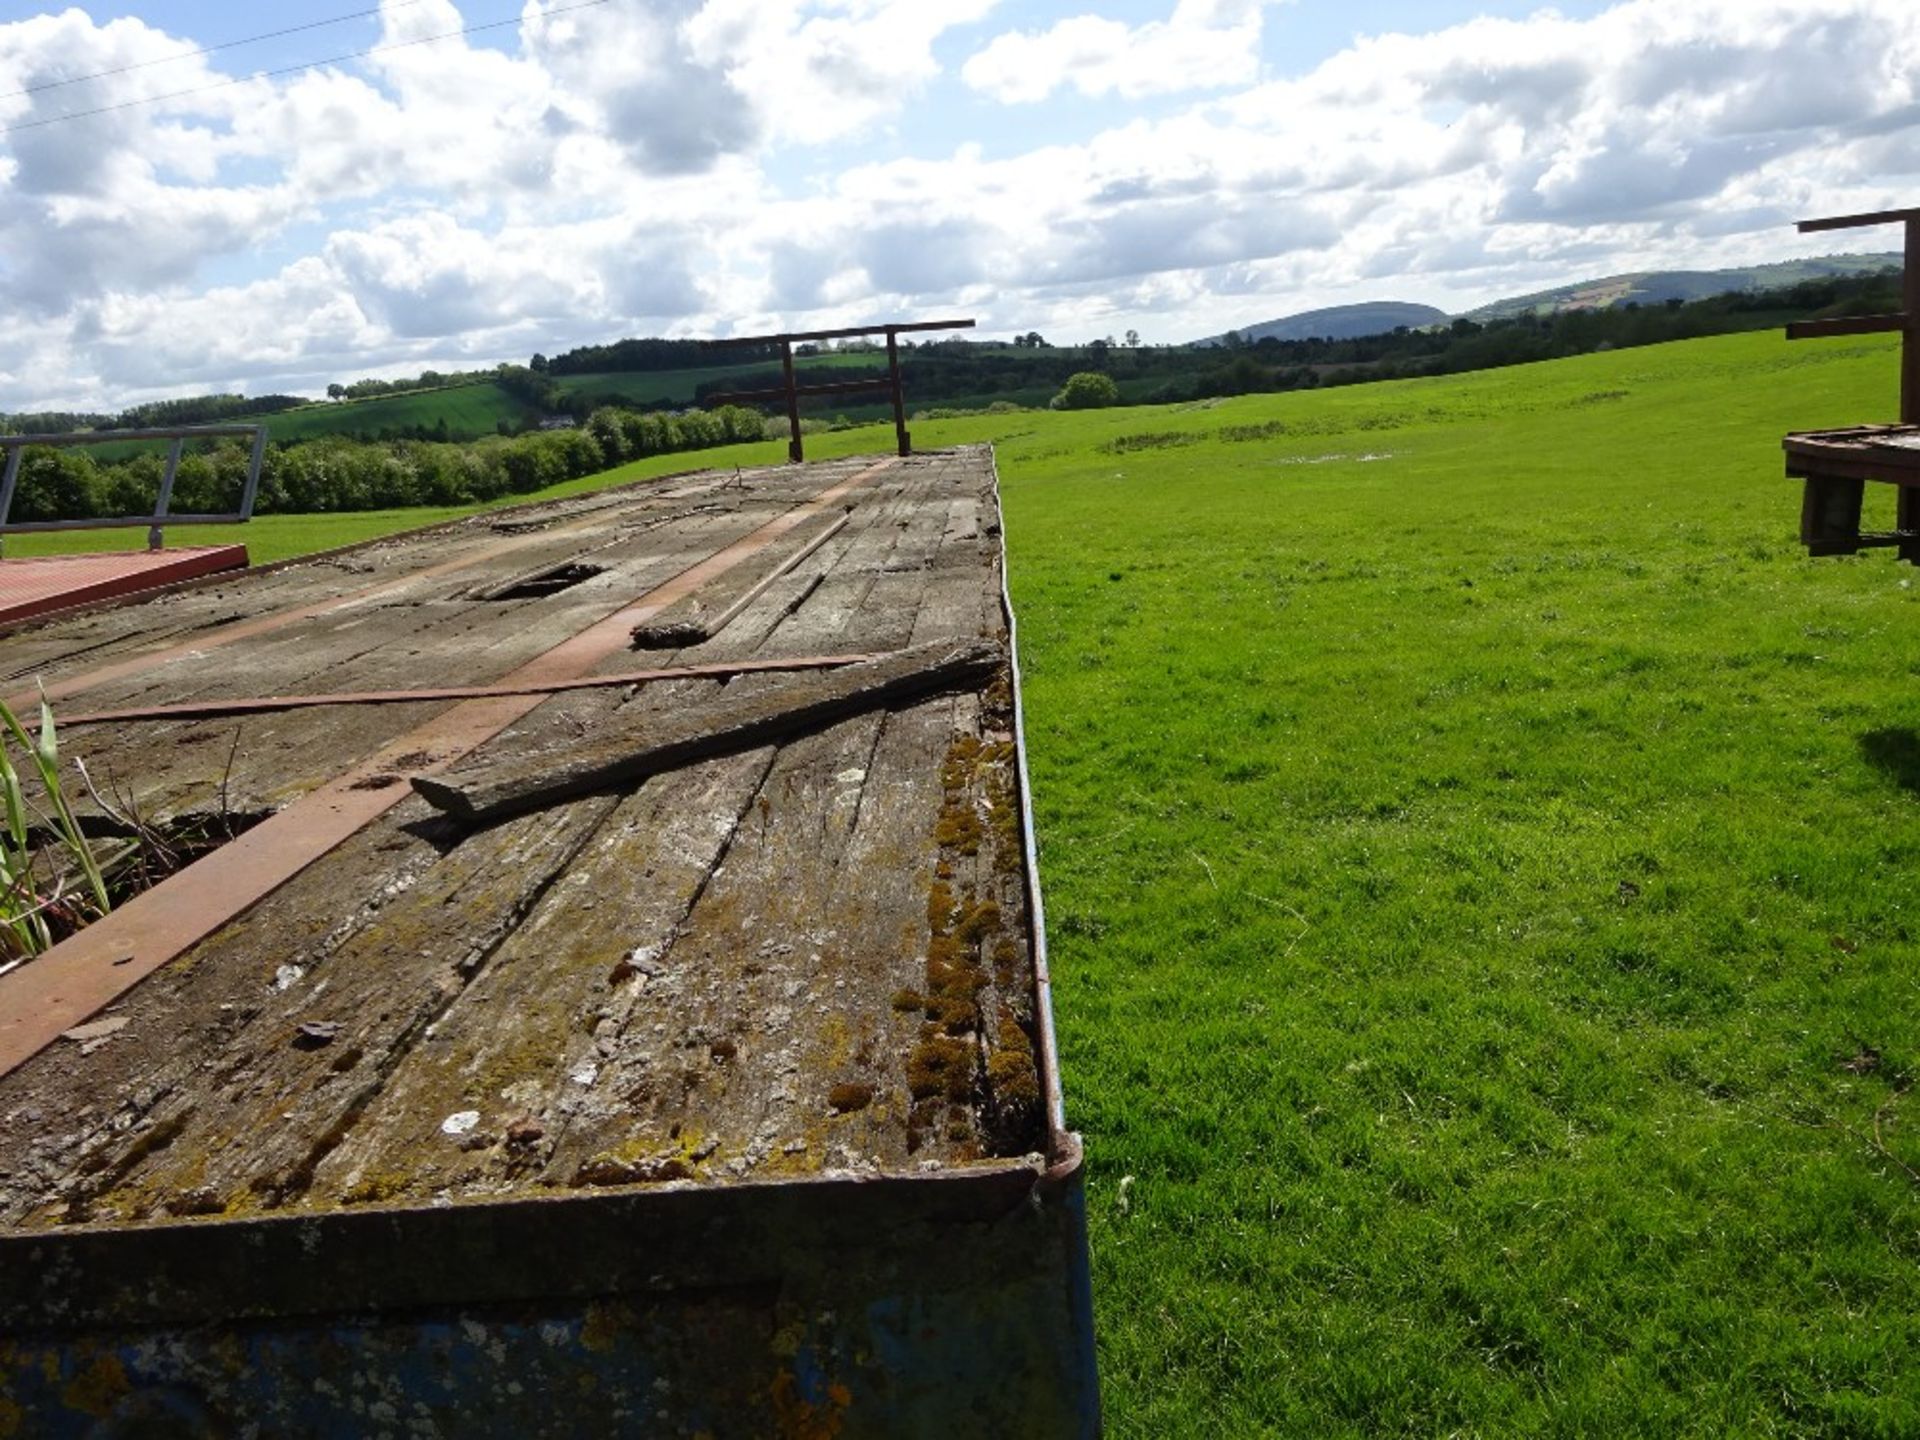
(1478,879)
(1477,845)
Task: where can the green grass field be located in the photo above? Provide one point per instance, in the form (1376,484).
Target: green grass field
(471,411)
(1476,844)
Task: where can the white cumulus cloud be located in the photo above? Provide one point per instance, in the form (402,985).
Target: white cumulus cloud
(1204,44)
(700,167)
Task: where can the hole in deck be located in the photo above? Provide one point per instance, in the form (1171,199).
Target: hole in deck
(132,854)
(138,860)
(545,582)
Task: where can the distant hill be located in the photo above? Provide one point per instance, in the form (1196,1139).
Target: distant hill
(455,412)
(1657,287)
(1339,322)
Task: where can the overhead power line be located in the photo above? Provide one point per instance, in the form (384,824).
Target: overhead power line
(296,69)
(204,50)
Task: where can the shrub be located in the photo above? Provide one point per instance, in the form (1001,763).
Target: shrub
(1087,390)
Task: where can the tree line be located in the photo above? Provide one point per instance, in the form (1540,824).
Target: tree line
(191,410)
(336,474)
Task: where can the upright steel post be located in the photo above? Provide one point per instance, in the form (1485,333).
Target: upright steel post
(156,537)
(254,462)
(794,450)
(8,484)
(1910,337)
(899,400)
(1907,499)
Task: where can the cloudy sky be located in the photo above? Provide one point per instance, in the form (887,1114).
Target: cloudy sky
(185,207)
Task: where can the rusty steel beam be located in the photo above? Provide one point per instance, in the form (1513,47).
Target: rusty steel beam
(847,333)
(796,451)
(266,704)
(899,400)
(1910,346)
(1907,322)
(779,392)
(1844,325)
(1856,222)
(77,977)
(186,565)
(791,391)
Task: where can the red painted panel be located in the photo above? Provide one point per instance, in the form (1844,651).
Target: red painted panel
(45,583)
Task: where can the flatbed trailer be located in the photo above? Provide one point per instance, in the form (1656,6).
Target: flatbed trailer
(722,1101)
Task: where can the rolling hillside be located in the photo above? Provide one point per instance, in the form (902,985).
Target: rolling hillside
(1338,322)
(469,412)
(1656,287)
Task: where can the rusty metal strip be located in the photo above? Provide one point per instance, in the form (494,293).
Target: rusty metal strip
(264,704)
(76,978)
(280,619)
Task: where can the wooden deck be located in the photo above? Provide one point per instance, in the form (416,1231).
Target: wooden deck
(809,957)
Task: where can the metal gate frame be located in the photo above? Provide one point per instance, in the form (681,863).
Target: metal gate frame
(16,446)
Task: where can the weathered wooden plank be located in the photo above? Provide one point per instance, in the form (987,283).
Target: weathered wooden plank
(583,1100)
(66,1119)
(278,1106)
(129,633)
(532,1025)
(782,902)
(284,756)
(523,1048)
(266,704)
(772,1037)
(356,640)
(80,975)
(1844,325)
(706,1032)
(503,787)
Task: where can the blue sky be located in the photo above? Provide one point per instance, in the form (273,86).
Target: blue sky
(700,167)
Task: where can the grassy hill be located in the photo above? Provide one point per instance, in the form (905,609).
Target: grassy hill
(1656,287)
(470,412)
(1477,845)
(1339,322)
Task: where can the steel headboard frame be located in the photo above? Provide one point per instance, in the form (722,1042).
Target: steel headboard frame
(17,445)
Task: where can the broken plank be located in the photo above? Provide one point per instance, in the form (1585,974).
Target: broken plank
(505,787)
(671,634)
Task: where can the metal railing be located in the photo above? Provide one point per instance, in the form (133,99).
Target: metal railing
(162,516)
(790,391)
